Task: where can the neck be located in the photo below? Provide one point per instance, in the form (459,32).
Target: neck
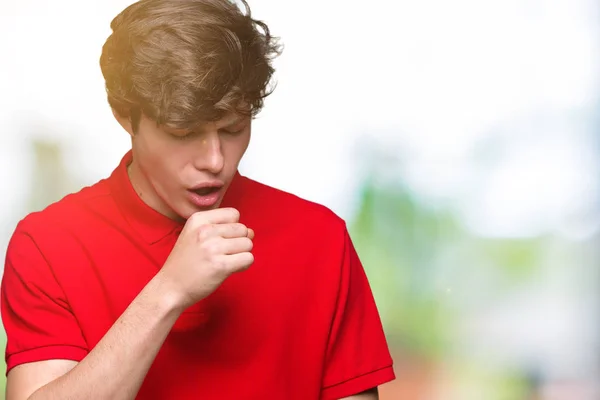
(132,173)
(145,192)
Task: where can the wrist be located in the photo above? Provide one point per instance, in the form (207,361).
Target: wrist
(167,298)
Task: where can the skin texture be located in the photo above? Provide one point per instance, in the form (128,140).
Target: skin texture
(167,162)
(212,246)
(371,394)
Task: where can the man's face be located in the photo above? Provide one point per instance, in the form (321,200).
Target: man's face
(178,172)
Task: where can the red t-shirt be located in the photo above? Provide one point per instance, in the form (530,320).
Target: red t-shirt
(300,323)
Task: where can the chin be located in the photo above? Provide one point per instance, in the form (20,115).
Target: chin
(183,213)
(191,210)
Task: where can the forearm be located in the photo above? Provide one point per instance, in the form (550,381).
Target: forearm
(117,366)
(371,394)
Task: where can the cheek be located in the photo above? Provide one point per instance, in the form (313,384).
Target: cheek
(161,163)
(237,147)
(171,168)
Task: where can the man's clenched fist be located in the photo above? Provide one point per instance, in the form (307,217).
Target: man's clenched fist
(211,246)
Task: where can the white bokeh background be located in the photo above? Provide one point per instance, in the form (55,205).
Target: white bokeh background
(492,106)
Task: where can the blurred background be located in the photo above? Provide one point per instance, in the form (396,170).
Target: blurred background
(459,140)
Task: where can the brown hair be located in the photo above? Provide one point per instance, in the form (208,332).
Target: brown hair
(183,62)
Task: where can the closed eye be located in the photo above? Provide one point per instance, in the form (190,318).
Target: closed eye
(182,137)
(234,130)
(180,134)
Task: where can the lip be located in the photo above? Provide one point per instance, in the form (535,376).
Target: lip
(205,201)
(210,184)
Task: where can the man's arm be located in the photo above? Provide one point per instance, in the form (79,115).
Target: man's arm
(116,367)
(212,246)
(371,394)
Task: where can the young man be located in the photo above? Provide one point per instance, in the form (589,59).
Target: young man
(176,277)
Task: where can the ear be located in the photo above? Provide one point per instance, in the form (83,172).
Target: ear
(125,122)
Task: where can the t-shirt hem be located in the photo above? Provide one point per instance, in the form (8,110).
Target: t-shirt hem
(62,352)
(359,384)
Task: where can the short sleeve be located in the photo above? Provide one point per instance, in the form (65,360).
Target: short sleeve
(36,316)
(358,356)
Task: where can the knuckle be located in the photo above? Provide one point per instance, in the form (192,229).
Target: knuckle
(195,219)
(211,246)
(234,214)
(248,261)
(241,229)
(219,264)
(205,230)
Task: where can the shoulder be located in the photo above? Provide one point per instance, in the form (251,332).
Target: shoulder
(69,213)
(43,242)
(291,208)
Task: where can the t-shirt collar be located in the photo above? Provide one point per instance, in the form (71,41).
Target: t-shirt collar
(149,223)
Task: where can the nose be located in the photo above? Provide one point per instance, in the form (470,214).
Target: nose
(210,157)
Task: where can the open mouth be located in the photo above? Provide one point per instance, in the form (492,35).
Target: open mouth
(206,190)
